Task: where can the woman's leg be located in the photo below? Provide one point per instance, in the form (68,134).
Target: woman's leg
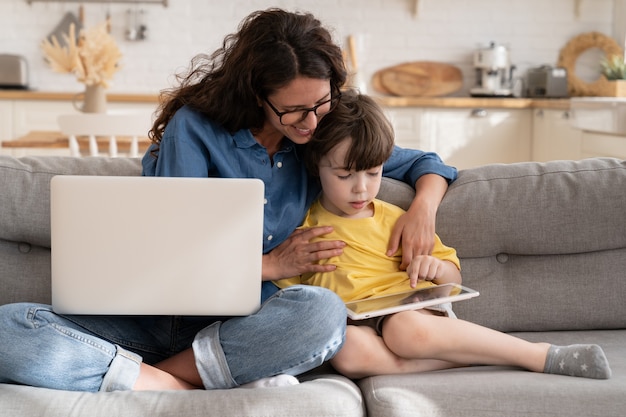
(295,330)
(40,348)
(43,349)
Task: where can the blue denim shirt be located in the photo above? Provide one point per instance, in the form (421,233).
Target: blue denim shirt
(194,146)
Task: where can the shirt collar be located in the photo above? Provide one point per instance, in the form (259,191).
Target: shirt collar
(244,139)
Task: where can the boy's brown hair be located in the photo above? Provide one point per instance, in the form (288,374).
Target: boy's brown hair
(359,118)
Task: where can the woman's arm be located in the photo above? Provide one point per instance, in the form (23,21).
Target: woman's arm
(415,230)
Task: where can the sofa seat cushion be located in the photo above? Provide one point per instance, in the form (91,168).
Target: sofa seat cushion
(329,395)
(485,391)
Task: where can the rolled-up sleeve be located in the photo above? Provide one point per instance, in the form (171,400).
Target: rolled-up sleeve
(408,165)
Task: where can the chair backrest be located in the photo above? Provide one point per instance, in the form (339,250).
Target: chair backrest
(110,125)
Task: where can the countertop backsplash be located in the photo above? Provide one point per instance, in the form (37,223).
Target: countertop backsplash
(387,32)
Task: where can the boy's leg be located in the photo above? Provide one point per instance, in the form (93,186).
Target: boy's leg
(416,334)
(364,353)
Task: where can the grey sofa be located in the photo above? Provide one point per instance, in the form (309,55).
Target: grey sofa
(544,243)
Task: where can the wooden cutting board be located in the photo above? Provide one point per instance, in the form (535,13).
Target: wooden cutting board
(418,79)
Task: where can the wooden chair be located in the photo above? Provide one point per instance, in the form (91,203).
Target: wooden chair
(109,125)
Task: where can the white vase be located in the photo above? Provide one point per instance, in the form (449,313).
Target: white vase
(94,99)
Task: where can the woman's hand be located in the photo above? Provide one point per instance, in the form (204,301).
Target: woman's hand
(298,254)
(415,229)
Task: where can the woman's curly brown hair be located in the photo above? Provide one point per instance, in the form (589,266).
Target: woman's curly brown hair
(271,48)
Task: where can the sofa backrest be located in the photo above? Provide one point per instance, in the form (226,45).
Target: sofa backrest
(25,218)
(544,243)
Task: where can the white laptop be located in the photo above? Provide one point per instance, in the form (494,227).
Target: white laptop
(156,245)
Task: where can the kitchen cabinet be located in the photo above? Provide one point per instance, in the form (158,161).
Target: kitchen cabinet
(23,112)
(602,123)
(6,120)
(602,144)
(406,123)
(33,115)
(554,137)
(26,111)
(466,137)
(30,115)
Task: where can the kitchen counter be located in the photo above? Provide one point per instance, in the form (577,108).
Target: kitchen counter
(387,101)
(64,96)
(474,102)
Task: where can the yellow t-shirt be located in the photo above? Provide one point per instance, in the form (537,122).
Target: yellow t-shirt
(363,270)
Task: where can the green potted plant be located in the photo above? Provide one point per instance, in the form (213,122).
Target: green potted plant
(614,70)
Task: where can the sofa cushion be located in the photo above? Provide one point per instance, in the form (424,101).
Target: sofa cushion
(25,196)
(25,272)
(329,395)
(495,391)
(558,225)
(559,207)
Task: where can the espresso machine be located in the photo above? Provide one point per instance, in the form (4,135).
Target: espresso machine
(494,72)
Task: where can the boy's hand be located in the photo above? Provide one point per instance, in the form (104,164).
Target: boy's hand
(426,268)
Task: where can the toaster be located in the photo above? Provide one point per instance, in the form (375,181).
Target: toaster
(546,81)
(13,71)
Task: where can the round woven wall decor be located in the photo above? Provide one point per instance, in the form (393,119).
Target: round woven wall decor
(571,51)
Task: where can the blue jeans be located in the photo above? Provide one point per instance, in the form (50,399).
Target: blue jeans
(294,331)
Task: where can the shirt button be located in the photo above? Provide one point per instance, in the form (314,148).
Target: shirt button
(270,237)
(265,201)
(279,164)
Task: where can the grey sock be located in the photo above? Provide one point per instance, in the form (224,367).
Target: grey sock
(586,361)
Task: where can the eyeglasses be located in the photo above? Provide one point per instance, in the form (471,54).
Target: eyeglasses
(294,116)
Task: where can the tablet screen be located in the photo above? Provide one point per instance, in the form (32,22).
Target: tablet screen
(409,300)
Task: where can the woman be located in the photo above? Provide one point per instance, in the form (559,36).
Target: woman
(245,111)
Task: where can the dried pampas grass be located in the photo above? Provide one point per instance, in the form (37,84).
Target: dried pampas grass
(94,58)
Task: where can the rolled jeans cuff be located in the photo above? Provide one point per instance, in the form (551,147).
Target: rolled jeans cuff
(123,371)
(210,359)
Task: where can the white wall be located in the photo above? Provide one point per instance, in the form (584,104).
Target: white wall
(443,30)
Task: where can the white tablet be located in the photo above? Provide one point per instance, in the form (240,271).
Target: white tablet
(409,300)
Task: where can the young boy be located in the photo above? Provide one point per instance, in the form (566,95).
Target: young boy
(347,151)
